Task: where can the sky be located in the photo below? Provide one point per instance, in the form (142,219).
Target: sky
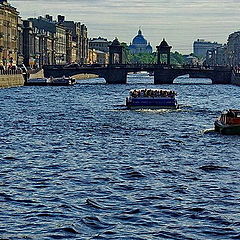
(180,22)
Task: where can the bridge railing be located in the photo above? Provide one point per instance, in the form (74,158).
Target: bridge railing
(10,72)
(142,66)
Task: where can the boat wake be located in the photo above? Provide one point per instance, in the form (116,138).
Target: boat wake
(207,131)
(155,110)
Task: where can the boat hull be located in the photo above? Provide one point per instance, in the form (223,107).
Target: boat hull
(50,82)
(226,129)
(36,84)
(151,103)
(151,107)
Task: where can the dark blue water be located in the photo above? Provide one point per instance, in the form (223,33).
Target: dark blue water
(75,164)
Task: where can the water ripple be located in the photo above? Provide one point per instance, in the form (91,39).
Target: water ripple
(75,164)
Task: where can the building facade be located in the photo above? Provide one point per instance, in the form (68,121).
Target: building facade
(8,34)
(20,56)
(79,38)
(69,56)
(217,57)
(97,57)
(38,45)
(233,49)
(75,30)
(60,44)
(28,42)
(200,47)
(100,44)
(102,57)
(52,39)
(92,56)
(226,55)
(140,45)
(84,44)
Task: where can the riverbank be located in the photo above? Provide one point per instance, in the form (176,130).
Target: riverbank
(40,74)
(7,81)
(84,76)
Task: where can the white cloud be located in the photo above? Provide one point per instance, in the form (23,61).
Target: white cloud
(179,21)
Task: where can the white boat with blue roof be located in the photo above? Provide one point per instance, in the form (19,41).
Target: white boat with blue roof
(151,99)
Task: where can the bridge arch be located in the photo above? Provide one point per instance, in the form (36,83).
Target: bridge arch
(186,79)
(140,77)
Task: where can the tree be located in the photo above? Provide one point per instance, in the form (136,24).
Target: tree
(150,58)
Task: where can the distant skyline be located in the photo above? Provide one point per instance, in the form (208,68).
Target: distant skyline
(180,22)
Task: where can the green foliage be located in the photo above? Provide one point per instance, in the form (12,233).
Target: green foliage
(151,58)
(177,58)
(193,55)
(144,58)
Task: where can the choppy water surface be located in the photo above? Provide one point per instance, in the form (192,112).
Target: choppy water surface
(75,164)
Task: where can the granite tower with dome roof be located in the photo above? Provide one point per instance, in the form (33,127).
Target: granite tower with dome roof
(140,45)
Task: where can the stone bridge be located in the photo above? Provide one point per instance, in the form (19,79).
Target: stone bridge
(163,74)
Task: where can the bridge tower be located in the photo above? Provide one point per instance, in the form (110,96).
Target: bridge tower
(115,74)
(115,53)
(163,49)
(163,75)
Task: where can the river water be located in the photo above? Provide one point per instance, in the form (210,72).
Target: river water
(75,164)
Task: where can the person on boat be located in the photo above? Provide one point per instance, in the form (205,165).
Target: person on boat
(145,92)
(171,94)
(149,93)
(135,93)
(230,113)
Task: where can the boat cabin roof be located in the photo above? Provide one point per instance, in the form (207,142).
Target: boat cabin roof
(231,110)
(235,112)
(151,89)
(152,93)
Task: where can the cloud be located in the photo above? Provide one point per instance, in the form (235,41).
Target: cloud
(180,21)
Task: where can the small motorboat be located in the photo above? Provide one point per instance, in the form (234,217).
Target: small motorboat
(228,123)
(37,82)
(151,99)
(63,81)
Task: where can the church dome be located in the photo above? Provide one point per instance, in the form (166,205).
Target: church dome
(140,45)
(149,46)
(139,39)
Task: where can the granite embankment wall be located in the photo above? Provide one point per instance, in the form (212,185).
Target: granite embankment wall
(11,80)
(16,80)
(84,76)
(37,74)
(40,74)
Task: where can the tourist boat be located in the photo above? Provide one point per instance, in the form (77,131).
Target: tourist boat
(151,99)
(228,123)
